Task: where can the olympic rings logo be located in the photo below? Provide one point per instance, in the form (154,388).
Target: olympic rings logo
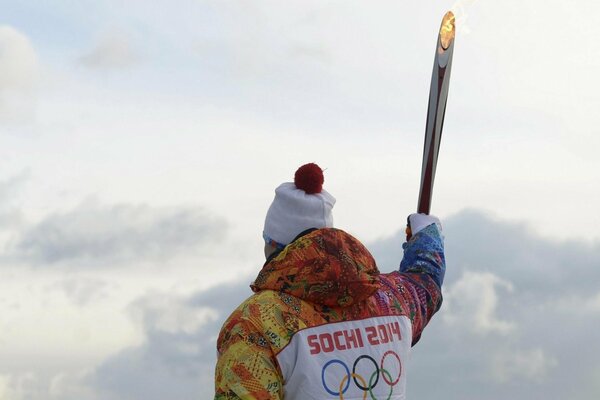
(359,380)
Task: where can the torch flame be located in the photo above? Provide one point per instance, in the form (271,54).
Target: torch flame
(447,31)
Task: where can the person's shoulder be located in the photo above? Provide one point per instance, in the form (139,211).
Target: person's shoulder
(268,314)
(245,319)
(254,309)
(264,299)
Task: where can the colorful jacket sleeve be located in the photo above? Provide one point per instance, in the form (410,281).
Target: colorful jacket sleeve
(422,272)
(246,367)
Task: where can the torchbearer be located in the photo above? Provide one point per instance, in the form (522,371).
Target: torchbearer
(323,322)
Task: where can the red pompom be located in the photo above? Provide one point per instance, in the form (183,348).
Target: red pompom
(309,178)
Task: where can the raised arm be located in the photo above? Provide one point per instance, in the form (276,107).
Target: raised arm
(422,269)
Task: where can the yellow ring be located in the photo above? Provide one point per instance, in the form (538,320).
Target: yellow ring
(353,375)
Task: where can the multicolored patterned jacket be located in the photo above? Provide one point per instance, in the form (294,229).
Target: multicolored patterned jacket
(324,323)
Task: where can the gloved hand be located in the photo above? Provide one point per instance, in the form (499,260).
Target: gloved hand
(416,222)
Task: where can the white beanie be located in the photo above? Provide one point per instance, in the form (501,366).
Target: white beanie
(298,206)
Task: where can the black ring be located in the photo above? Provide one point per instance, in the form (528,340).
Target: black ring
(376,369)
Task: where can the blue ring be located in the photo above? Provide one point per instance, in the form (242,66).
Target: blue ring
(347,374)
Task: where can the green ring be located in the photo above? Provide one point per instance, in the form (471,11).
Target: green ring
(385,371)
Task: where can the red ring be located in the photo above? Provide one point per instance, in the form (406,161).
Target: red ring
(399,363)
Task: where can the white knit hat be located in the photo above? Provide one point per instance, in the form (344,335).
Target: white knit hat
(298,206)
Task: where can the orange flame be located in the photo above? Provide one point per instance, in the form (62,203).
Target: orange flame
(447,31)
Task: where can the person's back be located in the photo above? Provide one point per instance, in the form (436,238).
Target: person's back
(324,323)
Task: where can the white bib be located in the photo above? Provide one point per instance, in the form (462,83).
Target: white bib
(361,359)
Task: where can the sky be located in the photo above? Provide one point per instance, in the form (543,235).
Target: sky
(141,143)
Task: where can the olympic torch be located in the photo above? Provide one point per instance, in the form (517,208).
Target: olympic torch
(438,94)
(436,110)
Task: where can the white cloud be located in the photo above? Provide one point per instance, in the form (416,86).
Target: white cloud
(71,386)
(83,291)
(592,305)
(19,76)
(33,386)
(19,66)
(114,51)
(473,301)
(20,386)
(533,365)
(473,346)
(584,306)
(5,390)
(10,186)
(10,214)
(177,357)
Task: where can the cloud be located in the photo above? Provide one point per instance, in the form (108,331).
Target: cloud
(10,215)
(533,365)
(10,186)
(175,359)
(83,291)
(19,76)
(20,386)
(514,252)
(113,51)
(98,235)
(5,386)
(71,386)
(43,386)
(178,355)
(170,314)
(581,305)
(19,67)
(492,339)
(515,305)
(473,301)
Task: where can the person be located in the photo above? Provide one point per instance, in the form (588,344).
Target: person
(323,322)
